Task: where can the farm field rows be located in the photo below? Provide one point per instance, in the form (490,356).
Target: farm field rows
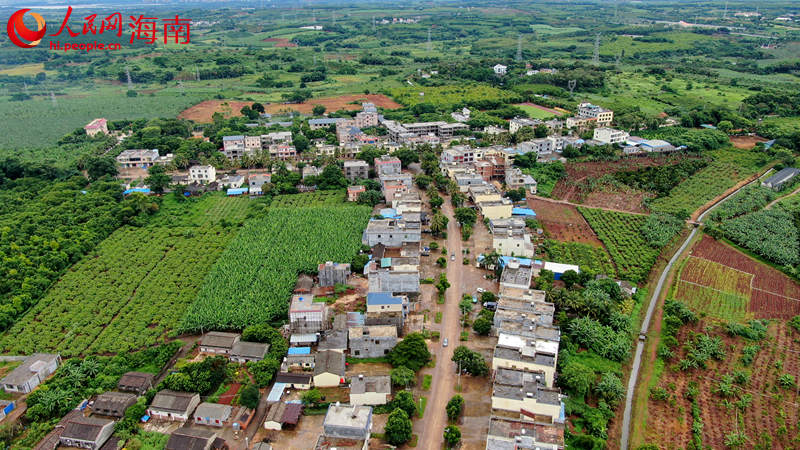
(316,198)
(620,232)
(774,295)
(253,279)
(588,257)
(763,411)
(133,289)
(563,222)
(728,168)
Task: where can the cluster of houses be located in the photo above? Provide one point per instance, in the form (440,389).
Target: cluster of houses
(524,396)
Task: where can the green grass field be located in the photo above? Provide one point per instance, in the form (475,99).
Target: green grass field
(535,113)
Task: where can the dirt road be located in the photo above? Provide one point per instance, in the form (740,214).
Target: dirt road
(430,429)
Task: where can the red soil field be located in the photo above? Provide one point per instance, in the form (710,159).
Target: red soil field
(575,187)
(774,294)
(563,222)
(746,142)
(203,111)
(669,424)
(281,42)
(228,396)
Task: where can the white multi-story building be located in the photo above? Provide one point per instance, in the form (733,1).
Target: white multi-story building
(589,111)
(610,135)
(202,174)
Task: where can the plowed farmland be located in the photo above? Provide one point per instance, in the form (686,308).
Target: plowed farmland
(747,397)
(563,222)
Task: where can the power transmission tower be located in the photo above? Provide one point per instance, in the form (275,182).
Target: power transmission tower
(519,47)
(725,14)
(571,84)
(180,85)
(53,98)
(616,63)
(615,10)
(196,74)
(429,39)
(128,74)
(334,18)
(596,56)
(25,85)
(373,23)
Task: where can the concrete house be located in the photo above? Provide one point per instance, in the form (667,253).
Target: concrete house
(610,135)
(603,116)
(31,372)
(513,242)
(294,380)
(173,405)
(372,341)
(244,352)
(194,439)
(305,316)
(356,169)
(387,165)
(391,232)
(516,274)
(96,126)
(331,273)
(370,390)
(385,309)
(500,69)
(349,422)
(511,434)
(142,158)
(113,404)
(525,392)
(212,414)
(335,340)
(137,382)
(354,191)
(496,209)
(218,342)
(86,432)
(298,358)
(530,358)
(515,179)
(257,181)
(202,174)
(329,369)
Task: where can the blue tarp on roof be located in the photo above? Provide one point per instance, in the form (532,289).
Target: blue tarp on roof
(142,190)
(386,262)
(527,212)
(299,351)
(388,213)
(769,144)
(383,298)
(238,191)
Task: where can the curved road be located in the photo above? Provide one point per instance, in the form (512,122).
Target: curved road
(637,359)
(430,429)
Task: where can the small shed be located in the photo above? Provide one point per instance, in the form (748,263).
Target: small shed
(780,179)
(281,414)
(243,352)
(558,269)
(113,403)
(237,191)
(137,382)
(525,213)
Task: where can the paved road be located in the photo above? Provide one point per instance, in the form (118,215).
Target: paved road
(444,375)
(637,359)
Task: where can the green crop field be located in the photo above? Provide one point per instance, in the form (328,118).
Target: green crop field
(133,289)
(588,257)
(535,113)
(39,122)
(621,235)
(729,167)
(253,279)
(316,198)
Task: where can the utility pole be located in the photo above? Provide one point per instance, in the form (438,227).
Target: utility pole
(596,56)
(128,74)
(429,39)
(519,47)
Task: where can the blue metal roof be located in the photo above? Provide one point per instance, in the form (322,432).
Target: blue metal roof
(233,138)
(237,191)
(523,212)
(276,393)
(299,351)
(383,298)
